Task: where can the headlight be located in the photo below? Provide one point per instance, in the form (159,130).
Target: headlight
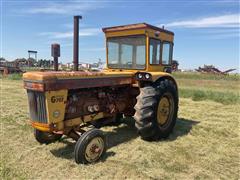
(147,76)
(140,76)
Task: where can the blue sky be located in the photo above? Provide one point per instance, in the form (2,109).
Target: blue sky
(206,32)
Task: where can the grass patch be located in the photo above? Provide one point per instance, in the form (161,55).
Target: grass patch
(200,95)
(200,147)
(14,76)
(202,76)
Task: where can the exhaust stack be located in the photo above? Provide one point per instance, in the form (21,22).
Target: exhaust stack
(76,42)
(55,54)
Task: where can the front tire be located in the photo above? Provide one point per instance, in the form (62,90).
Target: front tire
(46,137)
(90,147)
(156,110)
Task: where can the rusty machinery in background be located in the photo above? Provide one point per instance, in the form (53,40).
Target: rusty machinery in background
(175,65)
(135,83)
(9,68)
(30,53)
(213,70)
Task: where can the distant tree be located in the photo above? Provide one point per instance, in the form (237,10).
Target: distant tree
(2,59)
(45,63)
(21,61)
(31,62)
(40,63)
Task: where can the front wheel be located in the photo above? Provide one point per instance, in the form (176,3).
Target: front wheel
(90,147)
(156,110)
(46,137)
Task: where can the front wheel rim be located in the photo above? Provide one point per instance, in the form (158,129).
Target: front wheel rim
(94,149)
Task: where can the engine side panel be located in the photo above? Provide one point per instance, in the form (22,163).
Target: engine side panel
(109,100)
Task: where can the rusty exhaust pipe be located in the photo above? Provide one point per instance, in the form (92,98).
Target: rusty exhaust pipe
(76,42)
(55,55)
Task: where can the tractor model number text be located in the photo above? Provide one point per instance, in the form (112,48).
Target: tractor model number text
(57,99)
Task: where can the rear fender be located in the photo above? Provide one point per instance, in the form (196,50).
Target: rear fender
(170,78)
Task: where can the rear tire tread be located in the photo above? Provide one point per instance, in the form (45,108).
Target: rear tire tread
(146,110)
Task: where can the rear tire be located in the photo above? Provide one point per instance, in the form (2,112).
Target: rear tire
(156,110)
(46,137)
(90,147)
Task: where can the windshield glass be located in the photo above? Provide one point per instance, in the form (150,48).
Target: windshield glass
(127,52)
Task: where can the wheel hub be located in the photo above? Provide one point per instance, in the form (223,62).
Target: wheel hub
(164,110)
(94,149)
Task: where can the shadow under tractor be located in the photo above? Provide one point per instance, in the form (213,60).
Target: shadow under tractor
(136,83)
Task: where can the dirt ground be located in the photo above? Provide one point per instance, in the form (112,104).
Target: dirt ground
(204,145)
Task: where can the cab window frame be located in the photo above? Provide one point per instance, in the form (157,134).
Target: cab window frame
(149,52)
(170,53)
(132,35)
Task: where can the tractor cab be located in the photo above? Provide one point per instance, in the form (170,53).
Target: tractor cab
(138,47)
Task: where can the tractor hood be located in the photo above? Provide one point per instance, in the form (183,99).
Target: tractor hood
(57,80)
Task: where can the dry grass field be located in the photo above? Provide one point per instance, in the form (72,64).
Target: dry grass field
(204,145)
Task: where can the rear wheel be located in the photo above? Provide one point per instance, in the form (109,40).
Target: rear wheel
(46,137)
(156,110)
(90,147)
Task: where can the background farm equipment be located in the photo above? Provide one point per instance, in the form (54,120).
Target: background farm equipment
(213,70)
(9,68)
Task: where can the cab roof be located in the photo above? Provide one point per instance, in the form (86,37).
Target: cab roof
(134,27)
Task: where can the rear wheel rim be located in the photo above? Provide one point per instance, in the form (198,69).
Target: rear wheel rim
(165,110)
(94,149)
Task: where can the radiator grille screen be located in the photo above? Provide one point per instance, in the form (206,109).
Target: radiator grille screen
(37,106)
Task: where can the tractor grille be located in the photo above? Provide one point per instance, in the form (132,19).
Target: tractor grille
(37,106)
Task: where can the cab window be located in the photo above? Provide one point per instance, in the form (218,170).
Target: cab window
(127,52)
(166,53)
(154,56)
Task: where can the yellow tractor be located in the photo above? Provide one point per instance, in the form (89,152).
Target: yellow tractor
(136,83)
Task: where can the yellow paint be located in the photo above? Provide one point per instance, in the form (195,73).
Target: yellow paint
(149,33)
(163,111)
(162,35)
(56,103)
(84,119)
(48,76)
(40,126)
(157,75)
(59,126)
(125,33)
